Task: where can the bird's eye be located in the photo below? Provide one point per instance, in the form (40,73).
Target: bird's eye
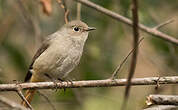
(76,29)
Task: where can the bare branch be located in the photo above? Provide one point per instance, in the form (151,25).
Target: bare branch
(162,107)
(116,71)
(23,98)
(66,11)
(164,23)
(11,104)
(135,21)
(135,42)
(66,16)
(91,83)
(78,11)
(162,100)
(127,21)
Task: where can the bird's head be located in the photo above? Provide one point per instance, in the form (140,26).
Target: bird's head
(77,30)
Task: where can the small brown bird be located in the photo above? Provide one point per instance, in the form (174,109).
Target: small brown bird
(59,54)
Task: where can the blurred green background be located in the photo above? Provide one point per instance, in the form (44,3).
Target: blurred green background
(24,24)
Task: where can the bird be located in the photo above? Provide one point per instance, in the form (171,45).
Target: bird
(58,55)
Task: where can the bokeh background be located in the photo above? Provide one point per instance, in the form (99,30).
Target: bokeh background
(23,25)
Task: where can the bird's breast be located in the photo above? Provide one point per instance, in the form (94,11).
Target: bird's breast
(68,62)
(58,60)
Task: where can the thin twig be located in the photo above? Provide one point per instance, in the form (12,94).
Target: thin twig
(135,42)
(135,21)
(66,16)
(23,98)
(164,23)
(127,21)
(66,11)
(90,83)
(78,11)
(116,71)
(11,104)
(47,99)
(162,100)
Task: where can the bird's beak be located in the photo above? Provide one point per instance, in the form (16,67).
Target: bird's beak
(90,28)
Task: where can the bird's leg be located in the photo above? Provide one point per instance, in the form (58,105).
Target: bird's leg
(48,76)
(69,81)
(53,80)
(61,80)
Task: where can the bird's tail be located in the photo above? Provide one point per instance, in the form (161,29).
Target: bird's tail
(29,96)
(30,93)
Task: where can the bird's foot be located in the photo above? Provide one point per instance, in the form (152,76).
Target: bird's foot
(68,81)
(53,80)
(17,82)
(61,80)
(157,83)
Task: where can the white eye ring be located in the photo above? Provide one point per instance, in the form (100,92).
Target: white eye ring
(76,29)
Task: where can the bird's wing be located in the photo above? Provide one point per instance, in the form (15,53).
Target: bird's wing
(44,46)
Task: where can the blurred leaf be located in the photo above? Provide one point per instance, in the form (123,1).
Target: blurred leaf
(47,6)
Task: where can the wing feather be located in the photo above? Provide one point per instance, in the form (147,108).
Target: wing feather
(44,46)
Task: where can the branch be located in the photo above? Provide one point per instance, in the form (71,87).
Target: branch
(66,11)
(23,98)
(135,21)
(127,21)
(12,105)
(78,11)
(164,23)
(162,107)
(135,42)
(162,100)
(91,83)
(116,71)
